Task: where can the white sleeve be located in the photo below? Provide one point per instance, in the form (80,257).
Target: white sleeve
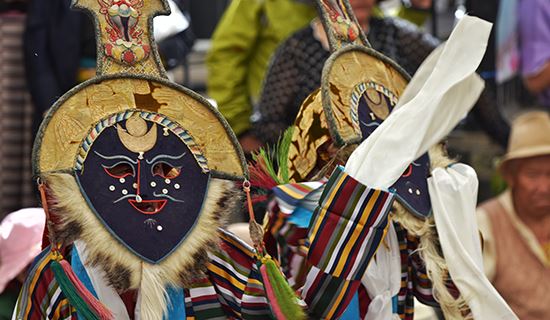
(440,94)
(453,193)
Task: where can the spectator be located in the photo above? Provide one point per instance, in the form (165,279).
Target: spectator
(534,32)
(295,71)
(242,46)
(20,241)
(516,225)
(296,68)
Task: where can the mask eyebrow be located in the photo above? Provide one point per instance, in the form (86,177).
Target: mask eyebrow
(164,156)
(116,157)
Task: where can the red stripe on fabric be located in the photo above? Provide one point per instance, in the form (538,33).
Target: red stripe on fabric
(364,301)
(343,195)
(39,293)
(312,291)
(344,303)
(319,247)
(354,253)
(330,220)
(203,298)
(237,255)
(301,187)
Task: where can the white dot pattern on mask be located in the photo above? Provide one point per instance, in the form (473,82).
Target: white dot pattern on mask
(410,191)
(124,191)
(176,186)
(134,185)
(159,228)
(167,181)
(165,191)
(122,180)
(153,184)
(417,192)
(112,188)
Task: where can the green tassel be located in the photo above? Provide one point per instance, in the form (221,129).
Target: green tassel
(285,295)
(276,157)
(264,154)
(71,293)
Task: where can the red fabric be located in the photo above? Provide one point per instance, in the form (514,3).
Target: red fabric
(129,298)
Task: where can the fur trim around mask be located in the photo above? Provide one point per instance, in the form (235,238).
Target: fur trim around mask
(429,248)
(124,270)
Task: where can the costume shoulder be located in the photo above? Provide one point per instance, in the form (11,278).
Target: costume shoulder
(234,274)
(41,297)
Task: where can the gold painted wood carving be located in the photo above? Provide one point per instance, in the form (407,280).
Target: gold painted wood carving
(82,110)
(131,77)
(349,69)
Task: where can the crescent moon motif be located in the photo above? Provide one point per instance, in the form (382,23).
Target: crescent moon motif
(138,144)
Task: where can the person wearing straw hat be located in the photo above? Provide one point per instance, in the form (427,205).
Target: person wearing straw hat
(516,224)
(365,107)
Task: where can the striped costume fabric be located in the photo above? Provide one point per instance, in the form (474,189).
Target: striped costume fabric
(41,297)
(356,218)
(237,280)
(288,241)
(231,287)
(289,196)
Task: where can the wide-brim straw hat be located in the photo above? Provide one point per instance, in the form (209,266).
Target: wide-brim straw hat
(530,137)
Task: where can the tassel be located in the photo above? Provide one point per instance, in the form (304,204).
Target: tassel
(71,293)
(283,301)
(79,296)
(97,307)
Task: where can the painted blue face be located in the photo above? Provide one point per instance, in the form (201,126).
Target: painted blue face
(151,200)
(412,188)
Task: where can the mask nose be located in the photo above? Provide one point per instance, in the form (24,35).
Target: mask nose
(139,196)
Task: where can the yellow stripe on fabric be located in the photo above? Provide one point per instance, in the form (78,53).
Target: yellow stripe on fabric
(255,282)
(323,210)
(291,192)
(356,233)
(383,237)
(237,244)
(63,304)
(339,298)
(279,221)
(226,275)
(37,275)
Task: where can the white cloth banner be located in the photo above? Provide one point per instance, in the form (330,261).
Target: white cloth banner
(441,93)
(383,278)
(453,193)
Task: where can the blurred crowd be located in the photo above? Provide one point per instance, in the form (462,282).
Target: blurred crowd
(264,59)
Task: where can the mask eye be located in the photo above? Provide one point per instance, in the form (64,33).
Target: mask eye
(120,170)
(166,170)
